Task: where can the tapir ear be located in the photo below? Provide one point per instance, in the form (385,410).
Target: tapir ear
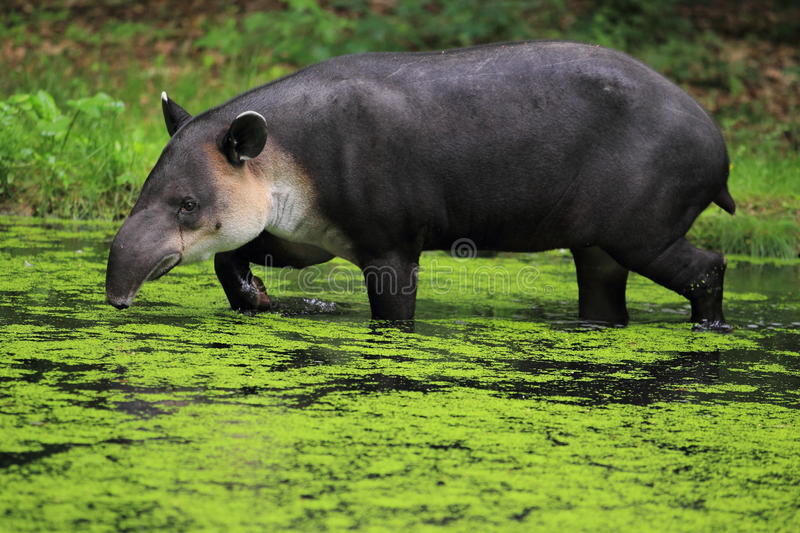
(245,138)
(174,115)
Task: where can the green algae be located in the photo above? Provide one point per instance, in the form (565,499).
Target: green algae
(497,411)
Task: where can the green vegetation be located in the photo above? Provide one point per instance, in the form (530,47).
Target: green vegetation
(47,154)
(766,186)
(497,412)
(68,150)
(178,414)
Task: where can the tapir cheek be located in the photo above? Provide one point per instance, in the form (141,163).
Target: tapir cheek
(234,233)
(242,217)
(220,235)
(198,245)
(241,202)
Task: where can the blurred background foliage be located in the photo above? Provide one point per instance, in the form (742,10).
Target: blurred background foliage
(79,101)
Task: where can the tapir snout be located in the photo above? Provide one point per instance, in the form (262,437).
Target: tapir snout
(146,247)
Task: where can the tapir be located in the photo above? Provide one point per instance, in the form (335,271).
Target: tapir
(375,157)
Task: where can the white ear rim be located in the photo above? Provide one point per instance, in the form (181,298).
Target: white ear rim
(254,113)
(164,97)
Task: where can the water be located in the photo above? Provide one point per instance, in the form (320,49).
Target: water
(496,409)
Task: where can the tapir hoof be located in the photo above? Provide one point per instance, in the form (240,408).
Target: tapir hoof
(255,299)
(717,326)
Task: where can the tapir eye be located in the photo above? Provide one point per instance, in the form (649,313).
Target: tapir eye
(188,204)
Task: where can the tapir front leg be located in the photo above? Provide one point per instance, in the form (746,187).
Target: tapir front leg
(601,286)
(392,286)
(246,292)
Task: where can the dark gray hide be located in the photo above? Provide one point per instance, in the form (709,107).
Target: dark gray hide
(517,147)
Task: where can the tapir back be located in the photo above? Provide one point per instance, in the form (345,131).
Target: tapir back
(494,143)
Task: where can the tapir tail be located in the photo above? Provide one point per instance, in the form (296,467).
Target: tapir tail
(725,201)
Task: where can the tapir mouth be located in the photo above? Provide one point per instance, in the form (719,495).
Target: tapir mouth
(122,301)
(164,266)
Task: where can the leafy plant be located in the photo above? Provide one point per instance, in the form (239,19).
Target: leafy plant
(273,35)
(304,32)
(69,162)
(65,153)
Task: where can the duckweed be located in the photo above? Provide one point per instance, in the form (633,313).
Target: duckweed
(496,410)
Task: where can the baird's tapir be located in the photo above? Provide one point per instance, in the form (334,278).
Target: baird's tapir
(376,157)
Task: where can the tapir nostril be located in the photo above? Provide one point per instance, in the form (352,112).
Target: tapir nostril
(120,305)
(118,302)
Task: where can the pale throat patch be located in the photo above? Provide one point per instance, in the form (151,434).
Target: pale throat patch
(271,192)
(293,214)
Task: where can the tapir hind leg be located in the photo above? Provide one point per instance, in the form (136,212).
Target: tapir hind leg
(693,273)
(601,286)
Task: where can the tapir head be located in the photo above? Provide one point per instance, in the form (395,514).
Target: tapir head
(206,194)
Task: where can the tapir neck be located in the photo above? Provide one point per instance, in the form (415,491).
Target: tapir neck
(293,212)
(289,210)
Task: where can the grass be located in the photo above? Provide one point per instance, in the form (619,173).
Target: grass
(68,150)
(766,187)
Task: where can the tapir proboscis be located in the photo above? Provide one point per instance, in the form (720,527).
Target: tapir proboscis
(376,157)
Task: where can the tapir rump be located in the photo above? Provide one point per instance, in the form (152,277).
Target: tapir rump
(376,157)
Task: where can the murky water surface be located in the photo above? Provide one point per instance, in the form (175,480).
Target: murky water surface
(496,410)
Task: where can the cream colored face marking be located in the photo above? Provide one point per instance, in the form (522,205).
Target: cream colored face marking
(271,192)
(239,214)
